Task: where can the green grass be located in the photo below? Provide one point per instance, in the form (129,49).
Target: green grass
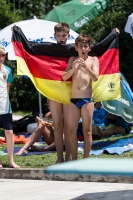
(41,161)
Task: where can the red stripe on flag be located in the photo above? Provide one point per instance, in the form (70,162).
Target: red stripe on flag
(109,62)
(45,67)
(52,68)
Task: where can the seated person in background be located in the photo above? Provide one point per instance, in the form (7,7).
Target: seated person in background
(114,125)
(99,114)
(44,129)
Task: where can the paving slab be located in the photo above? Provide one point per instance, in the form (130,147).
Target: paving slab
(63,190)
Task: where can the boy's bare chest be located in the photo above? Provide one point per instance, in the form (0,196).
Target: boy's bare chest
(80,73)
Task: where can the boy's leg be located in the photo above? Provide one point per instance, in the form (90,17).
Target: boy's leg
(10,148)
(65,119)
(0,160)
(87,113)
(48,135)
(32,139)
(73,120)
(56,110)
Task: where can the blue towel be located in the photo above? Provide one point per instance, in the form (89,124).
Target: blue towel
(118,147)
(16,149)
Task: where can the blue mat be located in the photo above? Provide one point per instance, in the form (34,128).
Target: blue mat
(16,149)
(118,147)
(101,144)
(95,144)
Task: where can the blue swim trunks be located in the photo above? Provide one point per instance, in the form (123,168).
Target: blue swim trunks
(79,102)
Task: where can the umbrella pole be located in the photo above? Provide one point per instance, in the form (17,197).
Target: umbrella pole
(40,105)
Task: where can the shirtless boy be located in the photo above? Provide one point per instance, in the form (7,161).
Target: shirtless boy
(83,69)
(59,111)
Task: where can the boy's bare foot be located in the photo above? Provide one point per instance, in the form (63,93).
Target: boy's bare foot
(67,159)
(59,161)
(14,165)
(1,164)
(21,151)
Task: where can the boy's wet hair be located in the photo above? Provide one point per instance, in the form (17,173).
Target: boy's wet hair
(83,38)
(62,27)
(2,50)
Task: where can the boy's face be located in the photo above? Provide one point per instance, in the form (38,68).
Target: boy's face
(2,58)
(83,48)
(61,37)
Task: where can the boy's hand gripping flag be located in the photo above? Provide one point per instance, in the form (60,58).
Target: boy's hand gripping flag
(44,63)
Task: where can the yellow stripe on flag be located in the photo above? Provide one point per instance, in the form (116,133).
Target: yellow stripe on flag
(107,87)
(59,91)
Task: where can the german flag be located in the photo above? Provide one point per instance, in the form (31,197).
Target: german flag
(44,63)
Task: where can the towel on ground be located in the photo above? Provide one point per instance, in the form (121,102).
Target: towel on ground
(118,147)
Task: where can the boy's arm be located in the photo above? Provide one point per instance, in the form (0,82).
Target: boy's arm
(69,70)
(9,80)
(94,71)
(8,87)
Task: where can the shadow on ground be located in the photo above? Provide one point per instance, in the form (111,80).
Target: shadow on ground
(111,195)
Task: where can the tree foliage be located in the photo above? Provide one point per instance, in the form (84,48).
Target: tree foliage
(23,93)
(7,14)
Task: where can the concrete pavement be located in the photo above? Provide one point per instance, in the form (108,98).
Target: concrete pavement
(63,190)
(34,184)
